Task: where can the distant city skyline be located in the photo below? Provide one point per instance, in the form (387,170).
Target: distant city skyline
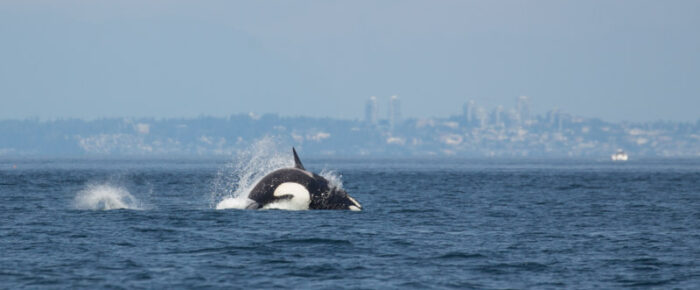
(501,132)
(616,61)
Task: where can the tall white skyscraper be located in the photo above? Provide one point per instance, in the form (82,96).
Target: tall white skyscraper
(394,111)
(482,116)
(524,110)
(371,114)
(553,116)
(498,115)
(469,110)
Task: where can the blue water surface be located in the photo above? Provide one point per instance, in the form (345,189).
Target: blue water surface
(426,223)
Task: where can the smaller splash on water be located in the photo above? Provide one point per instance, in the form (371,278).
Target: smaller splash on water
(105,197)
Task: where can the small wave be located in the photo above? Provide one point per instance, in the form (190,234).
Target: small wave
(276,261)
(318,270)
(105,197)
(644,282)
(312,241)
(575,186)
(503,268)
(219,250)
(412,210)
(154,230)
(459,256)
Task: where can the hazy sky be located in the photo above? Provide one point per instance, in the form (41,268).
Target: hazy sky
(616,60)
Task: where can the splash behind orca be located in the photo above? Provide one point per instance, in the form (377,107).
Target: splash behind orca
(298,189)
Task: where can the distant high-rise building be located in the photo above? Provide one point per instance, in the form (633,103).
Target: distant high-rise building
(482,116)
(552,115)
(394,111)
(371,114)
(498,115)
(468,110)
(524,110)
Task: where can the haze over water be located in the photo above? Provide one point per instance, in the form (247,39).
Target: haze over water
(622,60)
(426,223)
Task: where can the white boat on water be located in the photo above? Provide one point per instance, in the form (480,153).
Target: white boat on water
(619,156)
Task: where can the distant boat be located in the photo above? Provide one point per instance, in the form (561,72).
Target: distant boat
(619,156)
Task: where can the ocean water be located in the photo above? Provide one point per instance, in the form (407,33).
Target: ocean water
(426,223)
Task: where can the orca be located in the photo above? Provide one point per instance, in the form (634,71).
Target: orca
(298,189)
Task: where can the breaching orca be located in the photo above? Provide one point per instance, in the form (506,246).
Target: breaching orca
(298,189)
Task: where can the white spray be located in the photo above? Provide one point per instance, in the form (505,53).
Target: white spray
(105,197)
(233,182)
(335,179)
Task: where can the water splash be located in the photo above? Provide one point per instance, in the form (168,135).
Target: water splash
(236,202)
(105,197)
(235,180)
(334,178)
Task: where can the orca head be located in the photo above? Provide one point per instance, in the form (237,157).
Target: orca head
(327,197)
(342,200)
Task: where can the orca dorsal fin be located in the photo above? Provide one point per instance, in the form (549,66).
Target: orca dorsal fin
(297,162)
